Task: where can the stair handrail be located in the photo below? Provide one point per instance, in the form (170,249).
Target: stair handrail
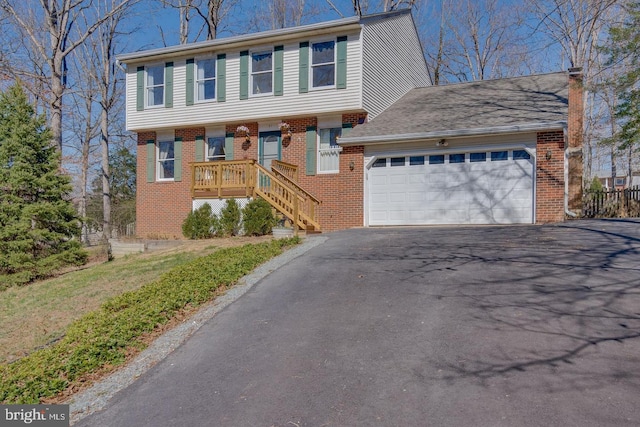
(306,213)
(297,186)
(286,169)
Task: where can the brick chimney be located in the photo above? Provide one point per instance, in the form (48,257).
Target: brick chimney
(575,135)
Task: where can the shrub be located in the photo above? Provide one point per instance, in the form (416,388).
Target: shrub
(258,218)
(230,219)
(199,224)
(596,185)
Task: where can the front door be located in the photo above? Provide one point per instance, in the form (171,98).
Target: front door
(269,148)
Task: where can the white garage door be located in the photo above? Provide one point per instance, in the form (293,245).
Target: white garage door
(493,187)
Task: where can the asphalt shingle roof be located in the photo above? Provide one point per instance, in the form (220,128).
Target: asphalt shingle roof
(496,103)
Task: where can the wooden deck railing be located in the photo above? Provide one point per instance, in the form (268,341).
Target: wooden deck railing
(229,178)
(246,178)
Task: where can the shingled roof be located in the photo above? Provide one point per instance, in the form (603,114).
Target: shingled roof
(482,107)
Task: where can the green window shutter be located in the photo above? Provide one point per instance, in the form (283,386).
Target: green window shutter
(177,163)
(303,86)
(151,160)
(168,85)
(346,129)
(341,66)
(221,77)
(311,150)
(200,148)
(140,89)
(244,74)
(228,146)
(278,69)
(190,85)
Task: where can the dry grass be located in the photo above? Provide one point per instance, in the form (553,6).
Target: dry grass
(35,315)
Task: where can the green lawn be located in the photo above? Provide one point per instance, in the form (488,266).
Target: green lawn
(100,316)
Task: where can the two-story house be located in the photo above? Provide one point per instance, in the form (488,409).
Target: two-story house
(336,126)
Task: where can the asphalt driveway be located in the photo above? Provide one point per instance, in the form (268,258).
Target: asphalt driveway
(457,326)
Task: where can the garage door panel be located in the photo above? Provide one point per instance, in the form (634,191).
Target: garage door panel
(452,193)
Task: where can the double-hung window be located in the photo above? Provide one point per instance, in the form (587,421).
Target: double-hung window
(323,64)
(262,72)
(215,148)
(166,160)
(329,150)
(206,79)
(154,85)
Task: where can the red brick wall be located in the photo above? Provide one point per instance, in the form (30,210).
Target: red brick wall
(550,177)
(161,207)
(342,194)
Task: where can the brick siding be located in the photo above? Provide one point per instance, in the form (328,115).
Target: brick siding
(550,177)
(162,206)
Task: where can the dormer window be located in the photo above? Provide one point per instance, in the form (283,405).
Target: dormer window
(206,79)
(323,64)
(154,85)
(262,72)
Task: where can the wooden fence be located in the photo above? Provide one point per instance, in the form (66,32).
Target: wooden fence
(611,203)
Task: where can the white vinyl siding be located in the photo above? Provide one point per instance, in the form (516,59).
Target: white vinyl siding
(292,103)
(385,59)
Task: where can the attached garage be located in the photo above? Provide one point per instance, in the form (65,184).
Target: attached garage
(475,187)
(504,151)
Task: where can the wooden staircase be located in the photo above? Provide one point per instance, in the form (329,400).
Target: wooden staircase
(247,178)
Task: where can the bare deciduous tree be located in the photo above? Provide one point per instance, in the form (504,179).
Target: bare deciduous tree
(50,36)
(474,40)
(579,27)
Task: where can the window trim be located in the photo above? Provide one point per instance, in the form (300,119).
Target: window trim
(158,160)
(196,97)
(312,87)
(162,67)
(319,150)
(258,51)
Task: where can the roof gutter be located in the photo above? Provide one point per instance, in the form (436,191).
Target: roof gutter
(459,133)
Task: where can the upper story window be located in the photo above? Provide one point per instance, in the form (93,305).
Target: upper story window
(323,64)
(206,79)
(215,148)
(154,85)
(166,160)
(262,72)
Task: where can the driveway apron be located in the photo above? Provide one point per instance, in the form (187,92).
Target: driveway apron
(442,326)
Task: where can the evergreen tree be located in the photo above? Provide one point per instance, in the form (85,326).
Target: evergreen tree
(626,49)
(38,224)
